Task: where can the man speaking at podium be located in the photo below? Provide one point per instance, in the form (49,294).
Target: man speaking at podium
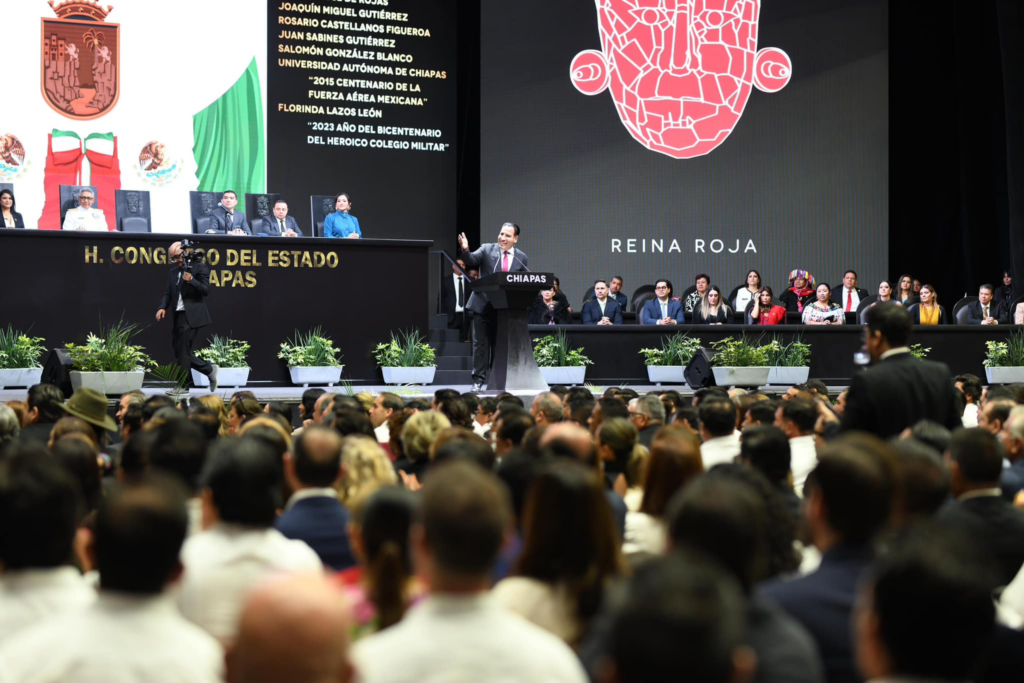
(188,285)
(490,259)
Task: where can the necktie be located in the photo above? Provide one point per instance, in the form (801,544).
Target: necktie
(281,221)
(664,311)
(462,292)
(504,262)
(986,310)
(849,300)
(231,219)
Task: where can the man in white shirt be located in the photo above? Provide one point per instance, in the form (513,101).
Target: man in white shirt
(721,441)
(132,632)
(242,494)
(971,386)
(459,632)
(482,421)
(293,631)
(85,216)
(796,419)
(384,406)
(39,508)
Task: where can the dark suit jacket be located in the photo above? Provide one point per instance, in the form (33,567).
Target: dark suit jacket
(650,314)
(791,301)
(193,294)
(915,313)
(487,259)
(823,601)
(898,393)
(620,299)
(839,296)
(994,524)
(540,314)
(19,222)
(976,314)
(321,522)
(592,312)
(449,297)
(1011,481)
(272,227)
(38,432)
(219,222)
(785,650)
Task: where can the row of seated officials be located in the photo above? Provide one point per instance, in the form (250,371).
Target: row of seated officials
(804,301)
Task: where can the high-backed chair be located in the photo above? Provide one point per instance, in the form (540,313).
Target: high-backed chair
(1013,309)
(589,295)
(642,295)
(257,207)
(69,199)
(747,320)
(201,205)
(133,214)
(863,306)
(320,207)
(960,310)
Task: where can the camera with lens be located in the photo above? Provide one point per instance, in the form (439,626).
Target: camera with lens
(191,254)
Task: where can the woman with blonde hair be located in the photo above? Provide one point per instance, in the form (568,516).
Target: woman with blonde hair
(616,443)
(216,404)
(417,436)
(366,468)
(366,400)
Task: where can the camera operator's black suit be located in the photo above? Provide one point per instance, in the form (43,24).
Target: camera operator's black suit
(185,324)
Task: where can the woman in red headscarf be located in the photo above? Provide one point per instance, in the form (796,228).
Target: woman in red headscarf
(800,292)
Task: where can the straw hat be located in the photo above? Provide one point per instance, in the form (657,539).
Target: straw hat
(91,406)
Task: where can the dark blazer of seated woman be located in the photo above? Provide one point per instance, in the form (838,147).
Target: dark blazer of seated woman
(19,222)
(920,316)
(723,317)
(541,314)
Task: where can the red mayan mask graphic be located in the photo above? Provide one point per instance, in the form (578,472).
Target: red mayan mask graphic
(680,71)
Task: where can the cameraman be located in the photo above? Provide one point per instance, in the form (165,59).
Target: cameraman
(187,285)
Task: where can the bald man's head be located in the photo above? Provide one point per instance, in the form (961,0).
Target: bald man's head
(569,438)
(316,455)
(292,630)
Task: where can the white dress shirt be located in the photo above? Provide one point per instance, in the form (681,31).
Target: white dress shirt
(540,603)
(645,535)
(382,433)
(481,429)
(91,219)
(30,596)
(803,457)
(458,639)
(721,449)
(456,278)
(120,638)
(852,293)
(970,418)
(310,492)
(224,562)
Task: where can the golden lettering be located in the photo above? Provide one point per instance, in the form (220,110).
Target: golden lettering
(256,260)
(245,257)
(131,255)
(272,258)
(145,255)
(285,259)
(332,260)
(214,280)
(295,258)
(116,255)
(239,280)
(92,255)
(250,279)
(232,259)
(160,256)
(212,257)
(319,260)
(306,261)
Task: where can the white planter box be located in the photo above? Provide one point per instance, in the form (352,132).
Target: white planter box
(788,376)
(408,375)
(741,377)
(1009,375)
(226,377)
(567,375)
(671,374)
(109,383)
(306,376)
(20,377)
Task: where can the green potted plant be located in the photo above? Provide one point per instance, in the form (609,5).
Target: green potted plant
(740,363)
(406,359)
(1004,361)
(667,363)
(19,358)
(790,363)
(312,358)
(919,351)
(558,362)
(227,354)
(109,362)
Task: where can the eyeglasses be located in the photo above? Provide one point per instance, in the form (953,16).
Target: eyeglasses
(85,199)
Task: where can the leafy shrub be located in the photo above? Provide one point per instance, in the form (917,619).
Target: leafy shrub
(310,350)
(553,351)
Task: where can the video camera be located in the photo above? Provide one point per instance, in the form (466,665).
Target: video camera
(191,254)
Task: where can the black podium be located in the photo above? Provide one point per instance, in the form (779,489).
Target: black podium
(511,294)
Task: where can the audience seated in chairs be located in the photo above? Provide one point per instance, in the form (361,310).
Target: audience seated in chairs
(984,311)
(601,310)
(615,292)
(928,311)
(849,295)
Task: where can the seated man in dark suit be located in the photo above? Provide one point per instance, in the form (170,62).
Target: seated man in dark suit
(44,409)
(313,513)
(899,391)
(225,220)
(280,224)
(601,310)
(984,311)
(662,309)
(849,295)
(975,463)
(848,499)
(615,292)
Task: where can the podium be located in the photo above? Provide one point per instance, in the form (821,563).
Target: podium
(511,294)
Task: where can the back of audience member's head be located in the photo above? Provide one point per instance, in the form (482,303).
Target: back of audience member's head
(517,470)
(924,481)
(463,514)
(932,434)
(135,455)
(139,530)
(682,608)
(396,423)
(724,519)
(269,432)
(798,416)
(853,487)
(242,395)
(73,425)
(381,524)
(459,443)
(672,400)
(706,393)
(651,406)
(199,415)
(549,405)
(77,456)
(926,611)
(513,426)
(580,409)
(366,467)
(627,394)
(246,408)
(180,450)
(441,395)
(308,404)
(454,408)
(244,481)
(216,404)
(510,403)
(970,385)
(673,462)
(418,404)
(761,413)
(581,552)
(818,388)
(617,441)
(891,322)
(366,401)
(570,440)
(420,431)
(155,403)
(471,400)
(574,393)
(766,449)
(717,417)
(976,460)
(40,506)
(10,426)
(613,407)
(351,421)
(687,416)
(316,457)
(44,403)
(279,409)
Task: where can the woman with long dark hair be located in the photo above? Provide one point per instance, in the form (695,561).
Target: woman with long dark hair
(749,291)
(904,289)
(10,217)
(570,552)
(342,223)
(764,312)
(712,309)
